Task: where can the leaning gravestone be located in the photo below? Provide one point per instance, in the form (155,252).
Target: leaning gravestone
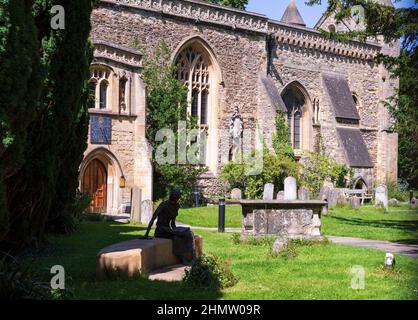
(280,195)
(236,194)
(303,193)
(354,202)
(290,189)
(147,207)
(268,191)
(381,196)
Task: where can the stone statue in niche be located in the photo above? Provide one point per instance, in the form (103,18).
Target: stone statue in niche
(236,129)
(122,92)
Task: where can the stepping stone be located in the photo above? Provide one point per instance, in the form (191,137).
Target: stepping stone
(169,274)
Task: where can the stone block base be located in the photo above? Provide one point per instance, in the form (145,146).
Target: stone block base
(135,256)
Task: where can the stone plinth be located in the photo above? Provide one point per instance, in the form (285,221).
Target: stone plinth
(135,256)
(282,218)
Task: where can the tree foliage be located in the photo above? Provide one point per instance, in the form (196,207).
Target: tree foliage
(276,167)
(238,4)
(46,119)
(166,106)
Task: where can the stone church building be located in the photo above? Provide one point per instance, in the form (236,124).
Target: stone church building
(235,64)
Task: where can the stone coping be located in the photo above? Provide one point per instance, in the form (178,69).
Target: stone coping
(283,202)
(315,205)
(284,33)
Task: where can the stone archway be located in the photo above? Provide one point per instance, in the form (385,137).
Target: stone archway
(111,166)
(94,183)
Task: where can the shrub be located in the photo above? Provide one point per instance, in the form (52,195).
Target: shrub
(17,281)
(398,190)
(316,168)
(209,272)
(275,169)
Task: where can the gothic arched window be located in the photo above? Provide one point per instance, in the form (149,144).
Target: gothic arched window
(193,70)
(294,102)
(99,87)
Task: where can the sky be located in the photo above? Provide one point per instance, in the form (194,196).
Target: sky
(274,9)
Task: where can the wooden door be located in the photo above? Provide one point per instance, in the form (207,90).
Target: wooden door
(95,184)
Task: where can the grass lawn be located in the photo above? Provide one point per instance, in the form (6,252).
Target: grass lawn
(208,216)
(399,224)
(317,272)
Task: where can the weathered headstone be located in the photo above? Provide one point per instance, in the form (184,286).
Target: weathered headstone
(389,261)
(414,203)
(290,189)
(341,199)
(268,191)
(393,202)
(147,208)
(279,245)
(333,197)
(236,194)
(354,202)
(381,196)
(280,195)
(303,193)
(136,205)
(324,193)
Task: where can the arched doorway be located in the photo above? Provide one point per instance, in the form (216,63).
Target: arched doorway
(95,185)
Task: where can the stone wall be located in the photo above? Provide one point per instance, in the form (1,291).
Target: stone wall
(238,43)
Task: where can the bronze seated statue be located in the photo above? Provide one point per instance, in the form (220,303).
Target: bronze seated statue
(183,238)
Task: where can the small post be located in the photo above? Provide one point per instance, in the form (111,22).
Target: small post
(221,216)
(196,198)
(411,195)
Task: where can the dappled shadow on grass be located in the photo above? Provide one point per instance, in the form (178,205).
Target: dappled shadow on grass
(405,225)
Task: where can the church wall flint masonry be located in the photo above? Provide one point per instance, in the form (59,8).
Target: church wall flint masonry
(236,65)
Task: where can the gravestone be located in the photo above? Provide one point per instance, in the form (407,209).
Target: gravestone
(268,191)
(147,210)
(303,193)
(236,194)
(324,193)
(280,195)
(381,196)
(354,202)
(389,261)
(136,205)
(393,202)
(290,189)
(333,197)
(279,245)
(341,199)
(414,203)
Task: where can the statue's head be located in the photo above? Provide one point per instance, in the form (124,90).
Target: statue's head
(175,195)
